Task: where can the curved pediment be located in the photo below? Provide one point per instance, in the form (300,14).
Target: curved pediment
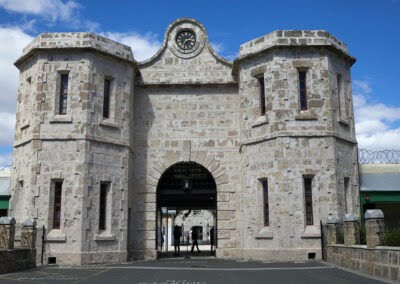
(186,57)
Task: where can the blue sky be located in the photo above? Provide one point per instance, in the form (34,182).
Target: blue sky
(370,28)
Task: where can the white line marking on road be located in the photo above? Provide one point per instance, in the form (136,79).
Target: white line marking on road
(208,268)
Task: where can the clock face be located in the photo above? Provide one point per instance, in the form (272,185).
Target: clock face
(186,39)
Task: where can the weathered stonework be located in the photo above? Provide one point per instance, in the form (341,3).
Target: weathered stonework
(179,107)
(381,262)
(374,227)
(351,230)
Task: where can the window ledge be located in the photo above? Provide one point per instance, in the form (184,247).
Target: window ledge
(306,115)
(311,232)
(59,118)
(264,234)
(260,121)
(104,236)
(55,235)
(344,121)
(24,125)
(109,123)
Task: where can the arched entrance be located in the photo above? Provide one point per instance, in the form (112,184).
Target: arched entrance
(187,197)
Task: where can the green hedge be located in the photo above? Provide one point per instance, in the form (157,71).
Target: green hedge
(363,235)
(392,238)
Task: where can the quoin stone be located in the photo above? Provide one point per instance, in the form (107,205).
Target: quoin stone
(266,143)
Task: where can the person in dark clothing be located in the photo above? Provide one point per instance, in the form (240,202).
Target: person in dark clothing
(162,240)
(177,239)
(195,237)
(212,239)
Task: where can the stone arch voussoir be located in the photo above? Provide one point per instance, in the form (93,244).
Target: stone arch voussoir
(187,154)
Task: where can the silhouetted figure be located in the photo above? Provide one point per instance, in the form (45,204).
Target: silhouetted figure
(212,239)
(195,237)
(177,239)
(162,240)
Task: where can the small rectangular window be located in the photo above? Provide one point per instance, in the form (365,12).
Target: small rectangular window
(63,94)
(339,93)
(106,103)
(266,202)
(104,188)
(308,200)
(347,194)
(57,204)
(262,95)
(303,89)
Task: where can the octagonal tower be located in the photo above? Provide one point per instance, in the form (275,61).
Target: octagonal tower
(70,153)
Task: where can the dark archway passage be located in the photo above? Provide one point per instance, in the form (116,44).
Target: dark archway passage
(185,187)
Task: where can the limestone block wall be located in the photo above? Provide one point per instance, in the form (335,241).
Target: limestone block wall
(284,162)
(283,115)
(46,125)
(16,260)
(184,105)
(346,167)
(49,149)
(108,163)
(293,38)
(78,148)
(108,153)
(342,99)
(170,66)
(186,124)
(117,128)
(382,262)
(288,143)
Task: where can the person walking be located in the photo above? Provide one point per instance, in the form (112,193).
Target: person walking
(177,240)
(195,237)
(162,240)
(212,239)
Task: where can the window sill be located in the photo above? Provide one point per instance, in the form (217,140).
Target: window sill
(264,234)
(306,115)
(109,123)
(260,121)
(311,232)
(104,236)
(59,118)
(55,235)
(344,121)
(24,125)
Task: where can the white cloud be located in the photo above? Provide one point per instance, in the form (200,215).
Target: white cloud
(5,160)
(143,46)
(51,11)
(363,86)
(376,123)
(217,46)
(14,40)
(7,124)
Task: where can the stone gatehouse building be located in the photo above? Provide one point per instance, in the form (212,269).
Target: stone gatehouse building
(105,144)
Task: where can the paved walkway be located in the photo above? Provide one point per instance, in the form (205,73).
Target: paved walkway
(197,270)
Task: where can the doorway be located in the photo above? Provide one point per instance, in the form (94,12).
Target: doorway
(186,198)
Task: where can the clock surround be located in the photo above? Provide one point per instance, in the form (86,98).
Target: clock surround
(186,39)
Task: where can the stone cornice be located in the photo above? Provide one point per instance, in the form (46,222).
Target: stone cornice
(272,137)
(78,41)
(292,39)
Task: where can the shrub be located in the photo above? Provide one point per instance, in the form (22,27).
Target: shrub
(340,233)
(392,238)
(363,235)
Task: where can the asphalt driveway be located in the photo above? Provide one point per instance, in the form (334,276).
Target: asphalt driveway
(191,271)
